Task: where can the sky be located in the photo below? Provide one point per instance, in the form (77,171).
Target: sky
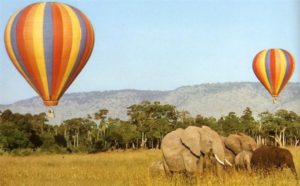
(165,44)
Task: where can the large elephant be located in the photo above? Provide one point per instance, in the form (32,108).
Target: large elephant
(240,142)
(184,150)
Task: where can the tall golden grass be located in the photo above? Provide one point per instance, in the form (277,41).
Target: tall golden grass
(119,168)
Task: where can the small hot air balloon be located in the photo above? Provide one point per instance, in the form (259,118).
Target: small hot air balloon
(274,68)
(49,43)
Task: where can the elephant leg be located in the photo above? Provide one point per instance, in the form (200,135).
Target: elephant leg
(190,163)
(248,166)
(166,168)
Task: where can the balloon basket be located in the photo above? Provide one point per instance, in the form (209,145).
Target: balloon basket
(50,113)
(274,100)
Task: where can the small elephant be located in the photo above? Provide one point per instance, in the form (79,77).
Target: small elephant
(267,157)
(156,168)
(184,150)
(243,160)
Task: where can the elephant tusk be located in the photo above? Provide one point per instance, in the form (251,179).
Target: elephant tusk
(221,162)
(228,163)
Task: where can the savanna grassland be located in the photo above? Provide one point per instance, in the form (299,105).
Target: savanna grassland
(118,168)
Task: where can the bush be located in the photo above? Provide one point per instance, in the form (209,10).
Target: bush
(11,138)
(2,152)
(60,140)
(54,149)
(48,141)
(35,140)
(22,152)
(98,146)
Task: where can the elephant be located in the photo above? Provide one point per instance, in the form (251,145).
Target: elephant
(267,157)
(243,160)
(239,142)
(156,168)
(238,149)
(184,150)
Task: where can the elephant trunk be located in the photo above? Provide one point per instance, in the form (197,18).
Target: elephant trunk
(220,170)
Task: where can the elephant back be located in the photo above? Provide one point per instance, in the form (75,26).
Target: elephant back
(248,143)
(239,142)
(233,143)
(172,139)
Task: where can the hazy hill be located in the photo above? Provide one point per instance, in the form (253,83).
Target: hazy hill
(206,99)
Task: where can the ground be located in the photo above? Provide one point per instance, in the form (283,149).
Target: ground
(118,168)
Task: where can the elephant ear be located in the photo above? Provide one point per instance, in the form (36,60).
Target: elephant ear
(190,137)
(234,143)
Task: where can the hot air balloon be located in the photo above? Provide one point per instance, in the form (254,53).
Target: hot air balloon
(274,68)
(49,43)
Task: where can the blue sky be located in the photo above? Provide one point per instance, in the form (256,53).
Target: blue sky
(164,44)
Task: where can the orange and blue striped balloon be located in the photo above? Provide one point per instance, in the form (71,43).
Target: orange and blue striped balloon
(49,43)
(274,68)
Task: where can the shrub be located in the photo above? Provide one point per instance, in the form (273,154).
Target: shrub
(60,140)
(22,152)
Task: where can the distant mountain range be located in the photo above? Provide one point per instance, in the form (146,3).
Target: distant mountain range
(215,99)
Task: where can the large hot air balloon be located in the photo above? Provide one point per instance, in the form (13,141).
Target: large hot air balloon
(49,44)
(274,68)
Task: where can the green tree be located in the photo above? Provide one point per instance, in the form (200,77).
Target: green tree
(231,124)
(12,138)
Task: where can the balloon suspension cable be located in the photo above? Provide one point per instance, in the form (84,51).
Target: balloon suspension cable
(50,113)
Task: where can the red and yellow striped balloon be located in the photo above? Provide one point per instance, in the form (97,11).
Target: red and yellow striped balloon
(274,68)
(49,44)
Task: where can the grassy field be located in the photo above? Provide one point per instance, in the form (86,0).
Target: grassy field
(118,168)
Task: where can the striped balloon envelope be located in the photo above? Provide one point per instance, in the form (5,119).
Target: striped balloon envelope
(49,44)
(274,68)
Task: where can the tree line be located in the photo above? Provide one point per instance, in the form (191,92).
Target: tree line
(147,123)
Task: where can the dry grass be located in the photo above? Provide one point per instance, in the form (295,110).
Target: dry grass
(118,168)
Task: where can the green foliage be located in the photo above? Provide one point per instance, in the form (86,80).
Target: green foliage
(22,152)
(11,137)
(146,126)
(231,124)
(48,141)
(60,140)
